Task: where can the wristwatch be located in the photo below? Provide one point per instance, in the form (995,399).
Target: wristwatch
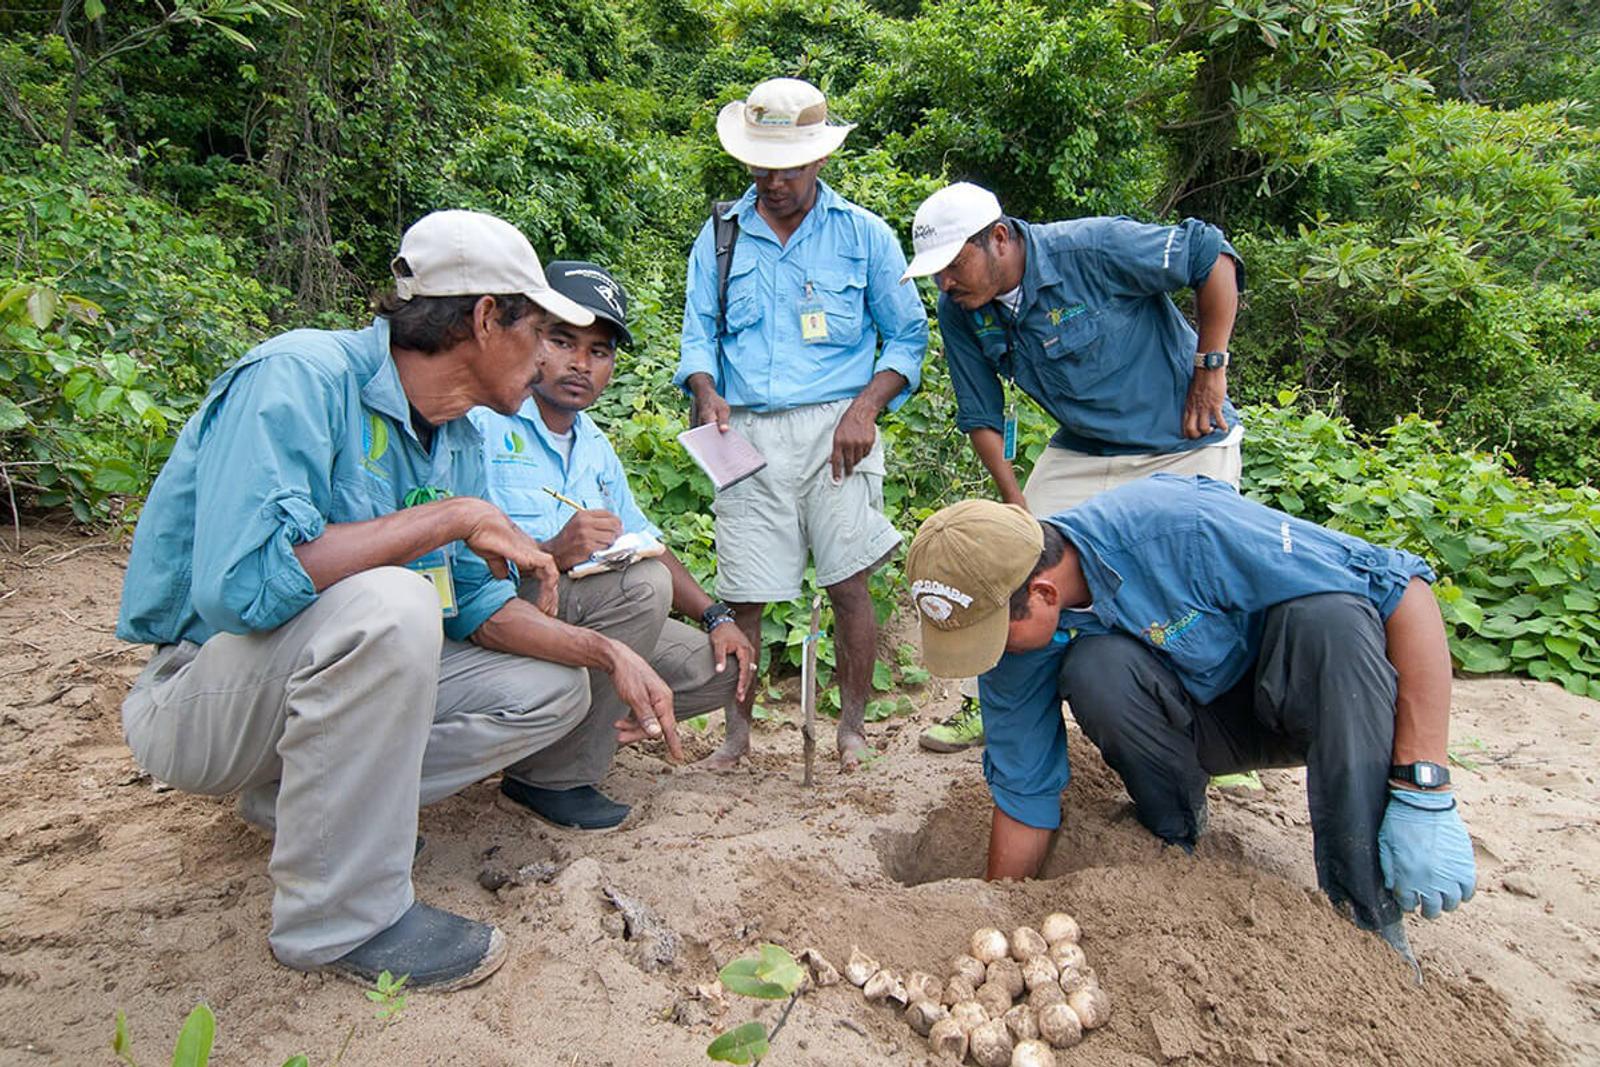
(714,616)
(1421,773)
(1211,360)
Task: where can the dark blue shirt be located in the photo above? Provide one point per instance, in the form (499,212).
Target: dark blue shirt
(1096,339)
(1190,568)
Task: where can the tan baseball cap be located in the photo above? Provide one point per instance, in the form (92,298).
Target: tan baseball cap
(964,564)
(468,253)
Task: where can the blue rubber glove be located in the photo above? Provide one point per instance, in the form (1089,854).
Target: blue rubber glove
(1425,852)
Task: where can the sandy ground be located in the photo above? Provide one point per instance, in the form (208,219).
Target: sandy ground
(116,894)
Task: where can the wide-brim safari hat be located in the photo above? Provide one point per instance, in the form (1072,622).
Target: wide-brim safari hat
(783,123)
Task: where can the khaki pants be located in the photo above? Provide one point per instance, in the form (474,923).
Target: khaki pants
(336,726)
(1064,479)
(630,606)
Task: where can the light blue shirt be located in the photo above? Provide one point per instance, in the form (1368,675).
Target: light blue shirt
(843,260)
(522,456)
(1096,340)
(1190,568)
(310,428)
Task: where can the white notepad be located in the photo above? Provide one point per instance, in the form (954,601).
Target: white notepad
(726,457)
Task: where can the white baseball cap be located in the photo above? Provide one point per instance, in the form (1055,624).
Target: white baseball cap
(783,123)
(468,253)
(943,223)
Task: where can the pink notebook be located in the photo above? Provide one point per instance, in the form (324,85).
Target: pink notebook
(725,457)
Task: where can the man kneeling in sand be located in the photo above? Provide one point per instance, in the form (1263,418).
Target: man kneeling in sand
(554,472)
(1194,632)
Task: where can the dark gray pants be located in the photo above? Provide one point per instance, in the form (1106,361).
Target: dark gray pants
(1321,694)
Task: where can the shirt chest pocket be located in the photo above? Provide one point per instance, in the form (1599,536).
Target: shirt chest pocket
(842,296)
(1199,642)
(745,300)
(1071,350)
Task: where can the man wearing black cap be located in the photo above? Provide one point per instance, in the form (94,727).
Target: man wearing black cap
(553,471)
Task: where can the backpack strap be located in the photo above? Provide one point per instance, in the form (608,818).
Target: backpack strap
(725,233)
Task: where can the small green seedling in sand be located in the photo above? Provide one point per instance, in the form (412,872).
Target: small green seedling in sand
(772,975)
(193,1048)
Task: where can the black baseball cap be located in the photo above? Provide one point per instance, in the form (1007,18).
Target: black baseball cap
(591,286)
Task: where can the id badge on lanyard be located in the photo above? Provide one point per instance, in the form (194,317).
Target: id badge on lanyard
(1011,424)
(435,566)
(813,319)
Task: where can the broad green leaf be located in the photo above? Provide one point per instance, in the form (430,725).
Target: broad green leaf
(882,677)
(297,1060)
(1581,600)
(743,1044)
(1478,656)
(1565,647)
(94,10)
(1464,610)
(1576,683)
(12,417)
(194,1040)
(780,968)
(740,976)
(118,476)
(42,303)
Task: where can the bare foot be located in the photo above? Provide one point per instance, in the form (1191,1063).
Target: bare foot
(725,758)
(853,749)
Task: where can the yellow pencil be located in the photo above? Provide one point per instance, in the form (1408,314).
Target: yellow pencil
(567,500)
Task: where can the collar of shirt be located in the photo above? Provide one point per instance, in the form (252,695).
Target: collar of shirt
(751,222)
(381,389)
(584,434)
(1102,579)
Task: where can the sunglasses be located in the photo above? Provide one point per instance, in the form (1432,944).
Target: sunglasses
(787,175)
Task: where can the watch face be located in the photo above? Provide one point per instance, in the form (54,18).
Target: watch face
(1429,774)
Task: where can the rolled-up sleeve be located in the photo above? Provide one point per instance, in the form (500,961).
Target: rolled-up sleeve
(1025,736)
(261,488)
(980,398)
(479,594)
(898,313)
(697,343)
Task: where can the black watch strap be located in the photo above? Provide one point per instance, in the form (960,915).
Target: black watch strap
(1421,773)
(714,616)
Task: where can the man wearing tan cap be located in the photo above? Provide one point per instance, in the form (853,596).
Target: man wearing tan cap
(338,636)
(1196,632)
(1077,316)
(815,339)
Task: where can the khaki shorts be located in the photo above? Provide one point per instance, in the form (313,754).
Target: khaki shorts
(768,523)
(1063,479)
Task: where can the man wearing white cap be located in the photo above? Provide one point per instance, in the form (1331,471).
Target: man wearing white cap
(793,361)
(1077,315)
(338,636)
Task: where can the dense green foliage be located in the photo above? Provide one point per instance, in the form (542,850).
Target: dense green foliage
(1415,187)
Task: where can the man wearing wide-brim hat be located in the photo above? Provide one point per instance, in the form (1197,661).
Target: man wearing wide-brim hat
(814,339)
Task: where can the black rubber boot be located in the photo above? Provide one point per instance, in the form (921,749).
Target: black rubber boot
(437,949)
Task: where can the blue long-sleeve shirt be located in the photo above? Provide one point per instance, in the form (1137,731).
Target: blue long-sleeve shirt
(1096,339)
(521,457)
(310,428)
(842,259)
(1190,568)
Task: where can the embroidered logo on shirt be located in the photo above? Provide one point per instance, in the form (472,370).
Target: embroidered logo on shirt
(1159,633)
(514,443)
(1064,314)
(374,442)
